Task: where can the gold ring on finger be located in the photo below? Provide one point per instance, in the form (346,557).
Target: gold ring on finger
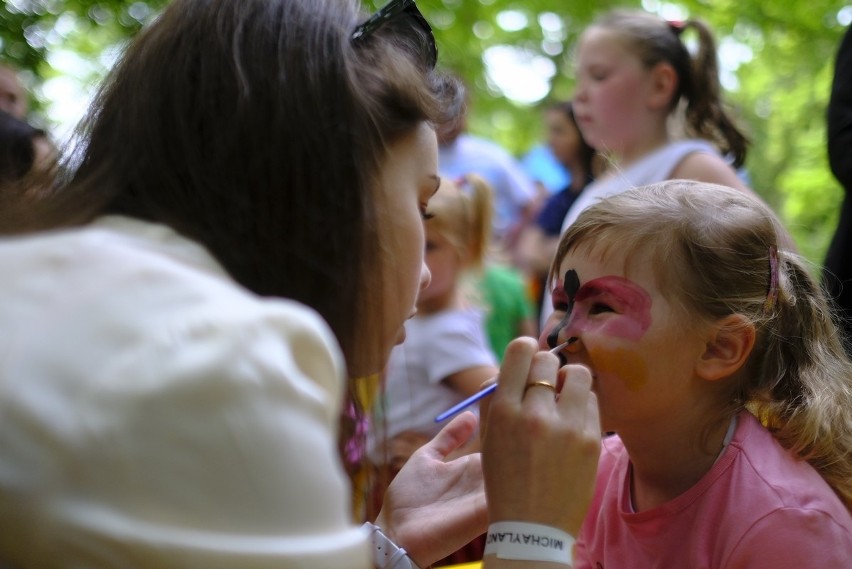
(540,383)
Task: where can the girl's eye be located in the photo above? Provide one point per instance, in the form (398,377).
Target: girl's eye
(560,306)
(425,214)
(600,308)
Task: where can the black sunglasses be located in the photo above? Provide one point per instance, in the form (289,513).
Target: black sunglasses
(389,12)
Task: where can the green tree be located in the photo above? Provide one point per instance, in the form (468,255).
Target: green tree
(783,51)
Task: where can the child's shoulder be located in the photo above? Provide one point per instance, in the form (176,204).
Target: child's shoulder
(778,479)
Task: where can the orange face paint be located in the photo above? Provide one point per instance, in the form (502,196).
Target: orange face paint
(625,364)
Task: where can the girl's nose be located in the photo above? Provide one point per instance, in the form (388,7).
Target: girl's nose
(580,92)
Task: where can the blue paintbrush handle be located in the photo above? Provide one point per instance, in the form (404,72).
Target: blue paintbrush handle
(462,405)
(466,403)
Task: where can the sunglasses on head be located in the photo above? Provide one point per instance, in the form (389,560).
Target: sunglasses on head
(391,11)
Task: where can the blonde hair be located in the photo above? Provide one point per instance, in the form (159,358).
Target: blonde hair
(718,251)
(462,211)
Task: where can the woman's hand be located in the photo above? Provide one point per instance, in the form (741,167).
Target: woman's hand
(540,453)
(432,508)
(401,447)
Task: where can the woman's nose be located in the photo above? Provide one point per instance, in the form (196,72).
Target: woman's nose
(425,276)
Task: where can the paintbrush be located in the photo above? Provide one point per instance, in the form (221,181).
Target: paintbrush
(462,405)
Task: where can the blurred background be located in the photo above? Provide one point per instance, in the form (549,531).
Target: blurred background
(517,56)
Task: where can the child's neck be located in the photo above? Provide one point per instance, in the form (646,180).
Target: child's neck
(643,147)
(666,464)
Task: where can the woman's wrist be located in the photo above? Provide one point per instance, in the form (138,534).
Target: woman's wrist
(525,541)
(387,554)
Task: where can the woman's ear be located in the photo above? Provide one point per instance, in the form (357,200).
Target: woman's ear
(664,83)
(729,344)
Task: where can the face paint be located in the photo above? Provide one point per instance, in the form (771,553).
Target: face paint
(564,294)
(625,364)
(627,304)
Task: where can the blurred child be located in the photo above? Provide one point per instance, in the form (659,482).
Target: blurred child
(508,303)
(651,108)
(539,239)
(718,367)
(635,78)
(446,355)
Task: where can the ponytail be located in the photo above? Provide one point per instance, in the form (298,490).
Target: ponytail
(706,116)
(655,40)
(481,199)
(803,392)
(462,211)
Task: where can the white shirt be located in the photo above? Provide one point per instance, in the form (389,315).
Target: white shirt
(436,346)
(155,414)
(655,167)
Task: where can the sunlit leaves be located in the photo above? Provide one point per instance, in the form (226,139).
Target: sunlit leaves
(778,59)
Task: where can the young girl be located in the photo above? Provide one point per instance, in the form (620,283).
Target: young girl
(446,356)
(635,77)
(718,368)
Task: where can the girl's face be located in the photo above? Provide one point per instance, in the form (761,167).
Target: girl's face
(562,137)
(641,357)
(444,263)
(408,181)
(611,92)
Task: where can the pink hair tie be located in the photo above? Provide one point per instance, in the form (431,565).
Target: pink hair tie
(772,295)
(463,184)
(677,26)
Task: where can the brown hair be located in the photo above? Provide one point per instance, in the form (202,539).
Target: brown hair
(586,153)
(798,379)
(655,40)
(257,128)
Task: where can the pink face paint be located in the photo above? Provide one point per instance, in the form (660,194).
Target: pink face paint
(613,306)
(606,307)
(626,306)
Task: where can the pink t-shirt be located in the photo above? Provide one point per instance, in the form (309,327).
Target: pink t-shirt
(757,508)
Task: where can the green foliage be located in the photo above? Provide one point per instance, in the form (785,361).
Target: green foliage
(781,94)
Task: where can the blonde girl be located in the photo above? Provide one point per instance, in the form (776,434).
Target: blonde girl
(717,366)
(445,356)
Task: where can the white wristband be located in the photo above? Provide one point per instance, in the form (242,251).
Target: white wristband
(523,541)
(387,554)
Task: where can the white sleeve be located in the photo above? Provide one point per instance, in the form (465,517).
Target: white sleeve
(214,448)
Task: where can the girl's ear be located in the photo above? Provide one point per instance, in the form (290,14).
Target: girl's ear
(729,344)
(664,83)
